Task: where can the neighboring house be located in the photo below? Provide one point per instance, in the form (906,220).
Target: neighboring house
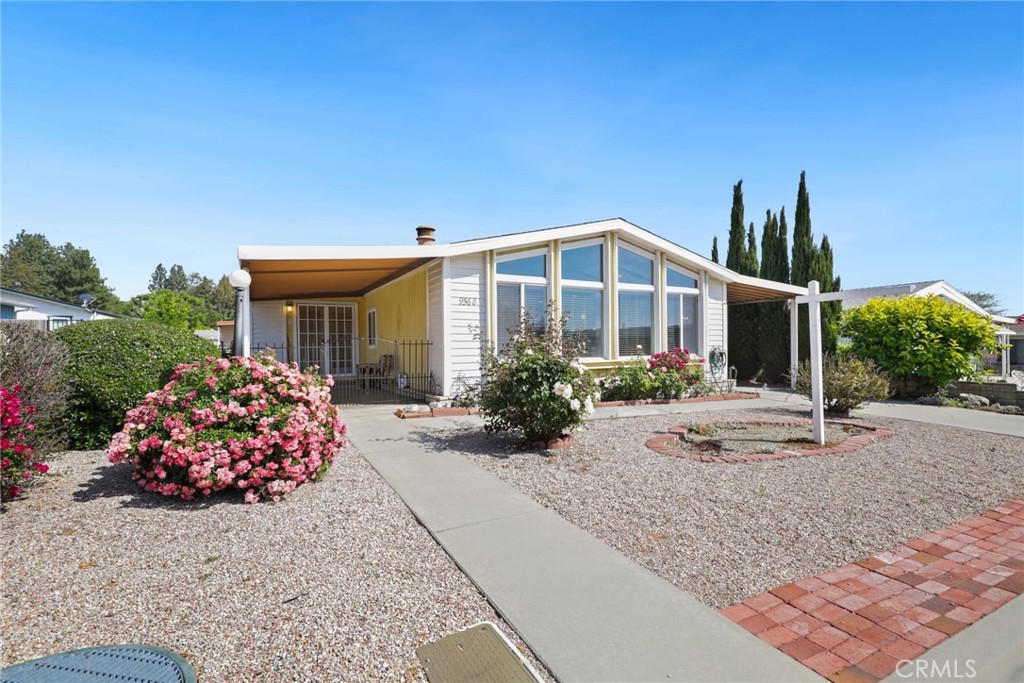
(424,309)
(1004,362)
(46,312)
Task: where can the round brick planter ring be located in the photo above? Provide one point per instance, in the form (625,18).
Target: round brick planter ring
(668,443)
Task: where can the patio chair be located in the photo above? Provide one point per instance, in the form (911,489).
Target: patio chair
(140,663)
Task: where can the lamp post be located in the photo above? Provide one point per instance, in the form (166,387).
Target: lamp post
(240,280)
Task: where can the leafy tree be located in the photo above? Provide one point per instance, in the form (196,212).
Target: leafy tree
(177,280)
(924,340)
(714,249)
(990,302)
(77,273)
(180,310)
(31,264)
(158,280)
(28,264)
(224,298)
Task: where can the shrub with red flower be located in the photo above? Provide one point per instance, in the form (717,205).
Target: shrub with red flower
(250,424)
(18,461)
(670,374)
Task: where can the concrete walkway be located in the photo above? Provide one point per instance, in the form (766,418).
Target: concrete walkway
(585,610)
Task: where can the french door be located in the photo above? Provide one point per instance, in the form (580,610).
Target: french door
(325,338)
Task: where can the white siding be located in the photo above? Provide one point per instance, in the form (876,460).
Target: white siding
(466,307)
(716,315)
(435,321)
(268,327)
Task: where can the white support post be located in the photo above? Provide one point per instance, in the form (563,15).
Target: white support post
(247,317)
(817,393)
(794,341)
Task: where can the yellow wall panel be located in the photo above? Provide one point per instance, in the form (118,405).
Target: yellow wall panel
(401,308)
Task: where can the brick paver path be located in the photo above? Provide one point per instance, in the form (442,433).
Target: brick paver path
(858,622)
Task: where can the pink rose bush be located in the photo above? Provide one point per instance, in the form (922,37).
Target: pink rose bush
(18,461)
(252,424)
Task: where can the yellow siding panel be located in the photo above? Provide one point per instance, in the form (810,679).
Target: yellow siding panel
(401,308)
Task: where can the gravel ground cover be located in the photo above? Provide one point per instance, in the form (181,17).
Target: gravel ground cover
(723,531)
(336,583)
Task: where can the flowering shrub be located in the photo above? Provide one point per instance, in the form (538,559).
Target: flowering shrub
(17,458)
(536,386)
(253,424)
(665,375)
(35,359)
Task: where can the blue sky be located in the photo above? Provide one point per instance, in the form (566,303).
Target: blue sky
(172,132)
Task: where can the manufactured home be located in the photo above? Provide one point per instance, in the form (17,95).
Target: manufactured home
(410,320)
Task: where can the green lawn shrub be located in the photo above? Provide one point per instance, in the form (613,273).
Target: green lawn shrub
(113,364)
(847,383)
(923,343)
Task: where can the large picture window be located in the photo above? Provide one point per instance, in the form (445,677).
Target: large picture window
(682,306)
(635,316)
(636,300)
(583,292)
(521,290)
(584,312)
(516,300)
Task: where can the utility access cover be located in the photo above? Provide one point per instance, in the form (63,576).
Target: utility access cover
(481,654)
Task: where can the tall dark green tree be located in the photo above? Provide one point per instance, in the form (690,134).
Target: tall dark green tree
(177,280)
(158,280)
(714,249)
(29,264)
(781,251)
(742,317)
(773,316)
(803,257)
(803,239)
(822,271)
(750,264)
(734,256)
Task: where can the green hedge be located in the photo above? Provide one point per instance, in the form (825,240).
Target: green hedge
(113,364)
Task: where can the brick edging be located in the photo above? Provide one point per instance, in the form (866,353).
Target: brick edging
(435,412)
(664,443)
(667,401)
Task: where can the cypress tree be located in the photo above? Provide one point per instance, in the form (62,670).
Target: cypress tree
(742,352)
(821,270)
(803,256)
(769,239)
(750,266)
(803,239)
(714,249)
(782,250)
(734,256)
(773,337)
